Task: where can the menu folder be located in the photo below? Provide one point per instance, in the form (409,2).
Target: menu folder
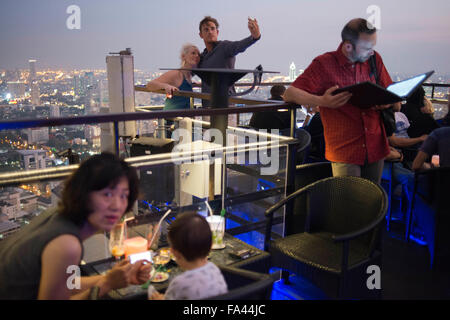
(368,94)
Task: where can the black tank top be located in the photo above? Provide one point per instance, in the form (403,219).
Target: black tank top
(20,254)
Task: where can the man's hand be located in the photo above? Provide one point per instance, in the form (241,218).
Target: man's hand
(334,101)
(254,28)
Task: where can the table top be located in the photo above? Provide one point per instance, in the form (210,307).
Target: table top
(221,257)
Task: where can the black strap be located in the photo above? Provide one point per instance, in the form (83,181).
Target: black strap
(373,68)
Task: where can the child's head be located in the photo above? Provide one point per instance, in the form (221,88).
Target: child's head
(191,236)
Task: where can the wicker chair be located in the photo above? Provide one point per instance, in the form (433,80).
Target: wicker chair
(305,174)
(246,285)
(341,239)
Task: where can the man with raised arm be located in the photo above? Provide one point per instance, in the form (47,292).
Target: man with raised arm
(222,54)
(355,139)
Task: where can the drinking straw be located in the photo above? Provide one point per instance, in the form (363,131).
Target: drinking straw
(209,208)
(158,226)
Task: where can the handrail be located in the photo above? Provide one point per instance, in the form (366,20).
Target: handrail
(132,116)
(204,96)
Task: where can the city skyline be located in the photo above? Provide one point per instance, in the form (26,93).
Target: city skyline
(413,37)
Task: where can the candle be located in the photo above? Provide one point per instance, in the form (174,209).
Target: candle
(135,245)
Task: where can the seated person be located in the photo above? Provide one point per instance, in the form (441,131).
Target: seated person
(35,260)
(419,111)
(437,143)
(315,129)
(190,240)
(446,120)
(401,139)
(272,119)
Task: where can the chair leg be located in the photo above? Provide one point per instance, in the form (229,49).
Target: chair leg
(409,216)
(285,276)
(388,226)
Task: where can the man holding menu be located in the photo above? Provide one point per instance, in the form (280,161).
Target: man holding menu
(355,139)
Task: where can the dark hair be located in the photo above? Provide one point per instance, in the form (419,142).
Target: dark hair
(191,235)
(96,173)
(277,91)
(417,97)
(354,28)
(206,20)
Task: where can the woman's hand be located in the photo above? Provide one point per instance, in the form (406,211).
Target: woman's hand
(140,272)
(118,277)
(170,90)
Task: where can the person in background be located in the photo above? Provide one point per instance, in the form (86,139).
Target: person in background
(176,80)
(35,261)
(437,143)
(272,119)
(222,54)
(355,140)
(190,240)
(400,138)
(419,111)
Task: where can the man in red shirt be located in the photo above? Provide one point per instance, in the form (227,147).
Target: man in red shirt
(355,139)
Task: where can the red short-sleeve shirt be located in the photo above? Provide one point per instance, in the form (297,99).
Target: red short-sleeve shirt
(352,135)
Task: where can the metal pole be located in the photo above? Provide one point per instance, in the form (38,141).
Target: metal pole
(293,116)
(116,137)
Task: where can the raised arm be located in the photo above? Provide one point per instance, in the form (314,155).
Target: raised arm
(235,47)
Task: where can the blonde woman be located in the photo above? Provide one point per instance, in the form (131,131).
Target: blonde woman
(175,80)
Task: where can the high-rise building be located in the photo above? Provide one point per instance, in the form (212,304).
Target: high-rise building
(33,83)
(292,74)
(35,93)
(32,76)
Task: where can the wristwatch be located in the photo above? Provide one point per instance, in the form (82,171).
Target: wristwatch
(93,294)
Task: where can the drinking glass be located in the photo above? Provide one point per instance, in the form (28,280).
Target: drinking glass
(117,237)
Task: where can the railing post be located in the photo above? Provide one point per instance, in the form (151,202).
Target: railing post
(293,116)
(116,138)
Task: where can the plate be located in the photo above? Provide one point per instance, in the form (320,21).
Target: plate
(160,277)
(218,246)
(161,260)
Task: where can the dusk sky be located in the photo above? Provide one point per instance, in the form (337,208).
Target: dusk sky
(414,35)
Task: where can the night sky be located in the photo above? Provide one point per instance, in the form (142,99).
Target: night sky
(414,35)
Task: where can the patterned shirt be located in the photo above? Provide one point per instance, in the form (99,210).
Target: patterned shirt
(352,135)
(200,283)
(401,125)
